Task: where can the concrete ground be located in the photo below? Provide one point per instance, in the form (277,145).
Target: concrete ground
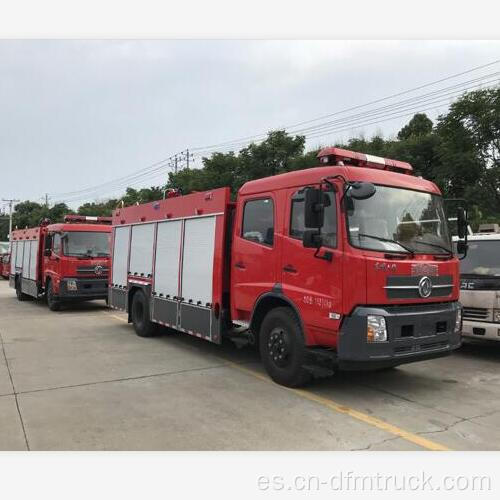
(80,379)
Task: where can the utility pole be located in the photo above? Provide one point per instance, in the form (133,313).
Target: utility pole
(11,203)
(180,160)
(46,200)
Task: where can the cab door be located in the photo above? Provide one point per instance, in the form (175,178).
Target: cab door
(52,247)
(313,283)
(254,260)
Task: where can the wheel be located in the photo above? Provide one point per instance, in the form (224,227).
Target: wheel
(20,295)
(143,326)
(282,348)
(52,302)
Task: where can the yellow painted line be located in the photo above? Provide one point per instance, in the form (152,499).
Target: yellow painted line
(358,415)
(117,317)
(337,407)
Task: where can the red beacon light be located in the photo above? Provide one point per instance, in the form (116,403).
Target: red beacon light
(172,193)
(87,219)
(343,157)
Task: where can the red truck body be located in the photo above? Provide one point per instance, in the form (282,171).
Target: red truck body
(64,262)
(211,267)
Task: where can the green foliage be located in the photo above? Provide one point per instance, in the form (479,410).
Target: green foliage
(277,154)
(419,125)
(470,150)
(29,214)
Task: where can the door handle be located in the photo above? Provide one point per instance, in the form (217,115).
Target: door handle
(240,265)
(289,269)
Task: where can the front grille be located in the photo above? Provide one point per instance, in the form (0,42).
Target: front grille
(424,346)
(434,345)
(478,313)
(406,287)
(92,270)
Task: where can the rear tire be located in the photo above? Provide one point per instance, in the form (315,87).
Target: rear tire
(52,302)
(143,326)
(282,348)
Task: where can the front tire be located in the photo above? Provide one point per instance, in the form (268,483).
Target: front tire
(282,348)
(143,326)
(52,302)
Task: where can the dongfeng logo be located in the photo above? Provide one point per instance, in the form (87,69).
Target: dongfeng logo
(98,270)
(425,287)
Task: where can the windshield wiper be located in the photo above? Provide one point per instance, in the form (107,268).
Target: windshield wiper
(409,250)
(435,245)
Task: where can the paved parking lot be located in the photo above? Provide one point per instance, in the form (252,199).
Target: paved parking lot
(80,379)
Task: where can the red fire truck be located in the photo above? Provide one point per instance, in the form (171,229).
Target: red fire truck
(5,265)
(344,266)
(63,262)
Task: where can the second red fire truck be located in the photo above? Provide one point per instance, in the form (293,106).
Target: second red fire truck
(63,262)
(345,266)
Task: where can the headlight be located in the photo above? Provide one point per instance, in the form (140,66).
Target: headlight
(71,285)
(496,315)
(376,329)
(458,320)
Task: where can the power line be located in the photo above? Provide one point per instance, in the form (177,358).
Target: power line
(359,119)
(178,161)
(380,115)
(398,94)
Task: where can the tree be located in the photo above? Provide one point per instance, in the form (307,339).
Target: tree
(275,155)
(278,153)
(470,149)
(418,126)
(102,209)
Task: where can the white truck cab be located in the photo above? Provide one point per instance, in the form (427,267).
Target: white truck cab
(480,285)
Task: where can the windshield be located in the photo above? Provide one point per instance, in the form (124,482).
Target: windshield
(399,220)
(86,244)
(482,258)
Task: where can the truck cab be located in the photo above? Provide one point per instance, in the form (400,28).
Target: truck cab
(75,261)
(480,285)
(372,281)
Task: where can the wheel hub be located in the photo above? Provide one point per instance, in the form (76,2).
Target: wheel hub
(279,347)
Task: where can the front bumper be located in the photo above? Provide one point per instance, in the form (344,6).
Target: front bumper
(414,333)
(481,330)
(86,289)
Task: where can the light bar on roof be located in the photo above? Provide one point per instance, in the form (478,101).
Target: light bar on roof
(339,156)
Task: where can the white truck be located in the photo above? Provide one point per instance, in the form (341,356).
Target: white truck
(480,284)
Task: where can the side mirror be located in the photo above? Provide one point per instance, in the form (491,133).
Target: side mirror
(462,247)
(461,223)
(47,252)
(312,239)
(315,201)
(361,190)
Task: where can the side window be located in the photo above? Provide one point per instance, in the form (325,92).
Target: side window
(328,231)
(56,244)
(258,221)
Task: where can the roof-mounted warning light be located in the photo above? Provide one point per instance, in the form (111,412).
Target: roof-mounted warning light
(87,219)
(338,156)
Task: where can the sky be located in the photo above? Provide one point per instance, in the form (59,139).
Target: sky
(79,114)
